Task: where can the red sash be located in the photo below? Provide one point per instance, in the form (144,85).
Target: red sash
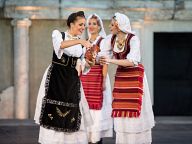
(128,91)
(93,87)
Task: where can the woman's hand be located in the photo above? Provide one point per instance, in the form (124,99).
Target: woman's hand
(86,44)
(104,60)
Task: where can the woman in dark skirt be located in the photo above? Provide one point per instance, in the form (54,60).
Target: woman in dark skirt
(61,109)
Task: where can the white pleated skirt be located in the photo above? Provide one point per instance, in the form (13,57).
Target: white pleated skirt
(102,120)
(136,130)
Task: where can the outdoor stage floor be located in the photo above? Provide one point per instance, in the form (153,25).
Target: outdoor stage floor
(168,130)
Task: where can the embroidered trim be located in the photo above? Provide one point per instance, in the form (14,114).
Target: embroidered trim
(48,79)
(73,63)
(61,114)
(61,103)
(79,98)
(46,90)
(64,129)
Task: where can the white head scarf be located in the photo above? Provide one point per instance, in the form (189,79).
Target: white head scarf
(123,23)
(102,31)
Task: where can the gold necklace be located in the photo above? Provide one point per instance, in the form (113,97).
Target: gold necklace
(120,43)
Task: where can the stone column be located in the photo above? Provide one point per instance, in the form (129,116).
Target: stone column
(21,67)
(137,26)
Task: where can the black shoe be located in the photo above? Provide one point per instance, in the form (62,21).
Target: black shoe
(100,142)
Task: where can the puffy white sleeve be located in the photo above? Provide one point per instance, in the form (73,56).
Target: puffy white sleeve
(134,54)
(56,40)
(105,47)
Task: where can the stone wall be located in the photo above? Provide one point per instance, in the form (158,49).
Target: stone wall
(37,18)
(135,9)
(6,54)
(7,103)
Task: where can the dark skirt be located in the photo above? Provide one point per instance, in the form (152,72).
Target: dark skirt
(60,107)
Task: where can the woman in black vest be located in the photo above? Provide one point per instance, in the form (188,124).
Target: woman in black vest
(61,109)
(132,109)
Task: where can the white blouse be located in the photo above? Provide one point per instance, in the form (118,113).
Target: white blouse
(74,51)
(104,51)
(134,54)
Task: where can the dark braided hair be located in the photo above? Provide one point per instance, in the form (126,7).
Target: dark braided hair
(73,17)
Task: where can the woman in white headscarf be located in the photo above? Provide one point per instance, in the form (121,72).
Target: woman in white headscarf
(96,85)
(132,109)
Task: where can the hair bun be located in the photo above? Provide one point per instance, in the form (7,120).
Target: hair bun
(73,17)
(80,13)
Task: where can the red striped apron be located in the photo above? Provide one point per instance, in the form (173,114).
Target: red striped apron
(128,91)
(93,87)
(128,87)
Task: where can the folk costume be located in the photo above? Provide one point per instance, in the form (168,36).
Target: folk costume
(132,108)
(62,110)
(99,100)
